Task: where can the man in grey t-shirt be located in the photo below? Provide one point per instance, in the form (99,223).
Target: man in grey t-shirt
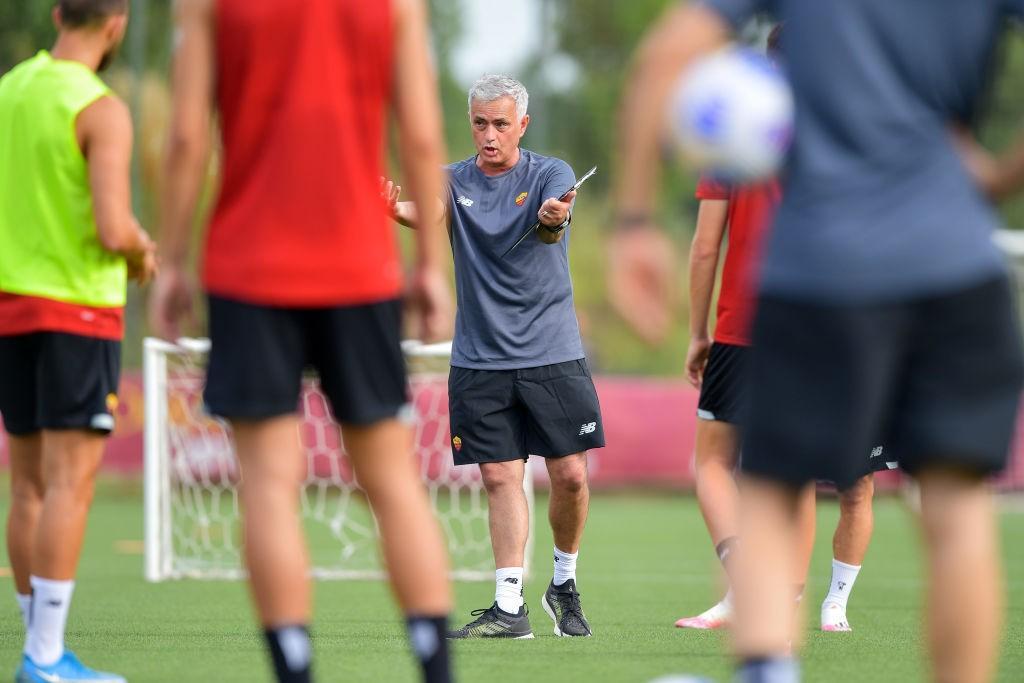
(519,381)
(884,311)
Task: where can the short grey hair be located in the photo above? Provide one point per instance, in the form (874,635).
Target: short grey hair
(495,86)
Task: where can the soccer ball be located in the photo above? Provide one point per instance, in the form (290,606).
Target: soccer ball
(732,115)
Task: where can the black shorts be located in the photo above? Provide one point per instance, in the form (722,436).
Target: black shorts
(258,355)
(498,415)
(53,380)
(722,393)
(937,380)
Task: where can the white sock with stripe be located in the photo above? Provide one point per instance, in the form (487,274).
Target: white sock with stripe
(50,603)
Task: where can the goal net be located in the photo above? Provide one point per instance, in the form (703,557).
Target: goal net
(191,477)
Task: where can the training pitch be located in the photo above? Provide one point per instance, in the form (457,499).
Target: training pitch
(645,561)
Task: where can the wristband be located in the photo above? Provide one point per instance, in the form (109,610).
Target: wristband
(559,228)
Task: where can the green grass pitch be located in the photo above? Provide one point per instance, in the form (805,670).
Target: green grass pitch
(645,561)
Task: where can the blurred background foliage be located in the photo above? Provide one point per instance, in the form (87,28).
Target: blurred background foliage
(591,39)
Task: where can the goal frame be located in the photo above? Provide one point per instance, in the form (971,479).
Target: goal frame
(160,561)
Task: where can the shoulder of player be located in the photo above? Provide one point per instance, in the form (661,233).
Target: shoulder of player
(107,117)
(459,168)
(545,165)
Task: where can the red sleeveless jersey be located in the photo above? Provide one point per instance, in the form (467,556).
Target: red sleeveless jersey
(303,91)
(751,208)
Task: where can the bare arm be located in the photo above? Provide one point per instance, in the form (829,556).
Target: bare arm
(641,257)
(104,131)
(185,160)
(189,134)
(704,254)
(421,152)
(683,33)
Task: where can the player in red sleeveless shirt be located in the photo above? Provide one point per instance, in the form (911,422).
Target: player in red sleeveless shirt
(301,268)
(716,368)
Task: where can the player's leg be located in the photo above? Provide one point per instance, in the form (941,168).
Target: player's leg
(488,431)
(716,451)
(72,399)
(357,351)
(818,381)
(563,422)
(27,490)
(19,360)
(806,523)
(413,547)
(958,418)
(272,470)
(508,518)
(567,513)
(70,460)
(965,588)
(849,546)
(255,385)
(765,566)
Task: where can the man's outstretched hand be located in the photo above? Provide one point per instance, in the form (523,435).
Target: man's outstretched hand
(641,280)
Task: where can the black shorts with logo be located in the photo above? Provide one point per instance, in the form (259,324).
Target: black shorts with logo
(54,380)
(499,415)
(722,393)
(936,379)
(258,355)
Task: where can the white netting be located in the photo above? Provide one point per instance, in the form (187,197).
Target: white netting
(191,478)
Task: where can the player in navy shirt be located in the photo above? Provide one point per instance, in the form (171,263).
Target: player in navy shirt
(884,311)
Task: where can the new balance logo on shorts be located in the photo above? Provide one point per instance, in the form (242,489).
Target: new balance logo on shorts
(588,428)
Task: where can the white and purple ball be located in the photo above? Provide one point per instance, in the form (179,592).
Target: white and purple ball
(732,115)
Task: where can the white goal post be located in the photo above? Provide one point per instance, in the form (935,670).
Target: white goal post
(192,521)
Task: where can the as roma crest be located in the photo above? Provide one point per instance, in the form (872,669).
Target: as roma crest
(521,198)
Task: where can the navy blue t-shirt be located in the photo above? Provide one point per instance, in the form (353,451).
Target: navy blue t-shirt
(876,203)
(515,312)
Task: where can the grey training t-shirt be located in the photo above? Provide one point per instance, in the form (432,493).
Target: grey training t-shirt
(515,312)
(876,203)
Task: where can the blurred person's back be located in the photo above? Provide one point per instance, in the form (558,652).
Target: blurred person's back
(878,204)
(303,96)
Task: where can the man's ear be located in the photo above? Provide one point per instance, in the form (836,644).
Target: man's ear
(58,18)
(525,122)
(115,28)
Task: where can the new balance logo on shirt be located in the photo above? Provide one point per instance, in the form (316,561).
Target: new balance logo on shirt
(588,428)
(465,201)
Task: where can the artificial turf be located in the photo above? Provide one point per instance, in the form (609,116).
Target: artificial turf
(645,561)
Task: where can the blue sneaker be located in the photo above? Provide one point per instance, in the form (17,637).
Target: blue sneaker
(67,668)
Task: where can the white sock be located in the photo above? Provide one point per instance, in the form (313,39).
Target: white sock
(565,566)
(25,604)
(843,577)
(50,603)
(508,589)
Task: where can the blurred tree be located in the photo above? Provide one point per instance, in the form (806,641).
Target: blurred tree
(25,28)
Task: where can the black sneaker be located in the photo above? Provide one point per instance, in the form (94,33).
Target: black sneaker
(562,603)
(493,622)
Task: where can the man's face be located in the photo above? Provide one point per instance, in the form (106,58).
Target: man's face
(497,130)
